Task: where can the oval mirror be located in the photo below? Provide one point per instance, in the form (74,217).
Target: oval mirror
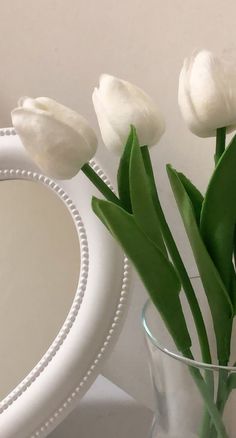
(63,293)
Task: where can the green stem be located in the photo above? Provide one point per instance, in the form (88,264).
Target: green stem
(186,283)
(207,397)
(176,258)
(206,425)
(230,384)
(204,388)
(100,184)
(222,396)
(220,143)
(222,393)
(222,389)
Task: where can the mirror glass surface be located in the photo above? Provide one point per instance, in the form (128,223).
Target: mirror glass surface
(39,273)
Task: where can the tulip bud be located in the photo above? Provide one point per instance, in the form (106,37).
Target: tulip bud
(207,94)
(59,140)
(119,104)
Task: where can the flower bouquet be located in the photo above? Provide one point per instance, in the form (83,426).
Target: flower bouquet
(61,142)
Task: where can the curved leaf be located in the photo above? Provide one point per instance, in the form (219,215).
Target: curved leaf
(123,174)
(155,270)
(219,302)
(194,195)
(218,216)
(141,196)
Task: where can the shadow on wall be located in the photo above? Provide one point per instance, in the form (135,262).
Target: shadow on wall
(106,419)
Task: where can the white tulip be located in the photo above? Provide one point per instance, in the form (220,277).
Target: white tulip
(207,93)
(119,104)
(59,140)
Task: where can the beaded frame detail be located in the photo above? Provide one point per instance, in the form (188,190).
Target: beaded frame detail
(55,346)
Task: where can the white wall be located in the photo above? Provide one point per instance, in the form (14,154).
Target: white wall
(59,48)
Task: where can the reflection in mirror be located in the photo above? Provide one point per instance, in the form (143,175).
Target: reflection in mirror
(39,273)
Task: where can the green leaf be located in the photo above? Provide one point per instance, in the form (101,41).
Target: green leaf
(194,195)
(142,199)
(219,302)
(219,216)
(123,174)
(155,270)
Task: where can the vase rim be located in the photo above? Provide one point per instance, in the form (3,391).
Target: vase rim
(176,356)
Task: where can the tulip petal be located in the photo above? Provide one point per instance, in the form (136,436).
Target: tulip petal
(207,94)
(56,148)
(128,105)
(110,137)
(119,104)
(70,118)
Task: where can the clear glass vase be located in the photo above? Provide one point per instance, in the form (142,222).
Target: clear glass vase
(193,399)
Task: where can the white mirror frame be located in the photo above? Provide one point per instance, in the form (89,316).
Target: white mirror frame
(73,361)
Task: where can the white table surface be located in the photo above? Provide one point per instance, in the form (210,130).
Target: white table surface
(106,412)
